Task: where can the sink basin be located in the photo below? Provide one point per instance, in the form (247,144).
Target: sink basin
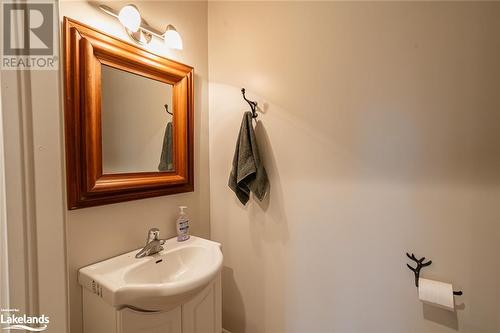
(156,282)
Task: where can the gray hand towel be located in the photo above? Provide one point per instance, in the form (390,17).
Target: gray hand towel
(248,173)
(166,160)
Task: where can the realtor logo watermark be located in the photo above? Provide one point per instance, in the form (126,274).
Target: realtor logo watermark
(29,35)
(10,319)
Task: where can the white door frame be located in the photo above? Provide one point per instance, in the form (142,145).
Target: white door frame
(4,261)
(34,193)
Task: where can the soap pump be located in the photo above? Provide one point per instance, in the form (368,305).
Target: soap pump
(182,225)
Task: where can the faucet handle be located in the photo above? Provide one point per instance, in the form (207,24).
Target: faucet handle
(153,234)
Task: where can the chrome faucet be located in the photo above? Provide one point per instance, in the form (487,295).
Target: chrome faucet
(153,244)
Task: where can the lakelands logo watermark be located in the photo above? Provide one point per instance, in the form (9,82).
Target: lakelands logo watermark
(11,319)
(29,35)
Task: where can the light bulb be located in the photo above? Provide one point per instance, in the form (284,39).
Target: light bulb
(130,18)
(172,38)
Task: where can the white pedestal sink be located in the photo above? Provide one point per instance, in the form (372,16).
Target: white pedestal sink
(162,289)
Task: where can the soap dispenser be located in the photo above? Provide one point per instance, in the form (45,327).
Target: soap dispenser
(182,225)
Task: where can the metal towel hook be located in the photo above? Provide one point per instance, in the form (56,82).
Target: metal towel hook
(253,105)
(166,109)
(421,264)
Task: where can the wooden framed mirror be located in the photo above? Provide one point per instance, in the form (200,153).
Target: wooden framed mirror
(128,120)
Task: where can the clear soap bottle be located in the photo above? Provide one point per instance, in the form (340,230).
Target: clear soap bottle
(182,225)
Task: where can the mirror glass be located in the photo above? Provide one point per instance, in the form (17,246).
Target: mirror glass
(137,124)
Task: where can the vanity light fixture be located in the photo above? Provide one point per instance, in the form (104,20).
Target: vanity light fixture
(138,29)
(172,38)
(130,18)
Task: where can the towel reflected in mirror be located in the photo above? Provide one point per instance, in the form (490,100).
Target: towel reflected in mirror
(166,158)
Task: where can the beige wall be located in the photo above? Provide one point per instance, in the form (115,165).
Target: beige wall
(97,233)
(380,136)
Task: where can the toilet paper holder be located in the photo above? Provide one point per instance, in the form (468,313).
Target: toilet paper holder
(421,264)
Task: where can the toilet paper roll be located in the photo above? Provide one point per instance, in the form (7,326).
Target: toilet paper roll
(436,293)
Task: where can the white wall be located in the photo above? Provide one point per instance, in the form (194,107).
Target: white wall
(380,136)
(97,233)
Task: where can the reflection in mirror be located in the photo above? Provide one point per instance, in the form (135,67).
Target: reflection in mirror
(136,123)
